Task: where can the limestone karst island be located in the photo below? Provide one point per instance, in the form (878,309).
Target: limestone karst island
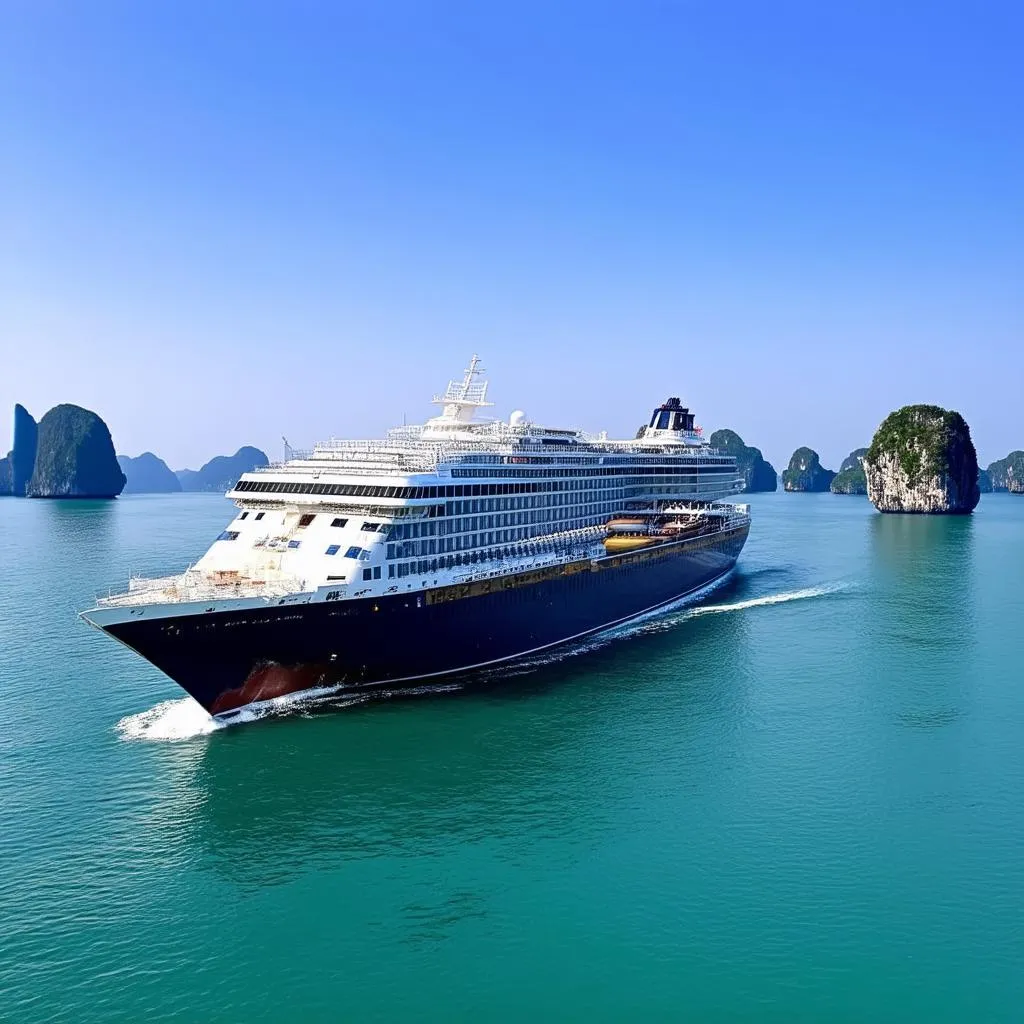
(758,474)
(850,479)
(922,460)
(806,473)
(70,454)
(1006,474)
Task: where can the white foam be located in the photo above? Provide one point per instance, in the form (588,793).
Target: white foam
(181,719)
(681,611)
(184,719)
(758,602)
(685,614)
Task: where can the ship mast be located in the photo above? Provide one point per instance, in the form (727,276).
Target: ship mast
(462,398)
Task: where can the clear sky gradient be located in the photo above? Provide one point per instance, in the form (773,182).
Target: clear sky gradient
(225,222)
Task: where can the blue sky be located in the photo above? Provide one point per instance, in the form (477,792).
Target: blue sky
(224,223)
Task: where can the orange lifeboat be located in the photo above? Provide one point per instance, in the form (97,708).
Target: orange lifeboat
(617,543)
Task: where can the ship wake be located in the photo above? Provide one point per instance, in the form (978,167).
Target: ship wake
(684,613)
(768,599)
(668,618)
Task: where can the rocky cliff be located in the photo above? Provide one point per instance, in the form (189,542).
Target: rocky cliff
(146,474)
(1008,474)
(922,459)
(222,472)
(984,482)
(74,457)
(23,454)
(758,475)
(850,479)
(16,469)
(806,473)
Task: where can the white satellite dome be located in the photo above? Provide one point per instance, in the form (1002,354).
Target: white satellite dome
(518,418)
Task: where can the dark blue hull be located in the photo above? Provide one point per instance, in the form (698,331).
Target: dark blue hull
(231,658)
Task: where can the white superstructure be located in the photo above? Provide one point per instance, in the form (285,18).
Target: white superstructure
(455,499)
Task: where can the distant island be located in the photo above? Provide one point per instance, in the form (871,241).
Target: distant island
(16,469)
(922,460)
(222,472)
(1007,474)
(758,474)
(147,474)
(69,454)
(806,473)
(851,479)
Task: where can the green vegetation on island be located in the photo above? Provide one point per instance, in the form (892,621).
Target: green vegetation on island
(221,473)
(147,474)
(806,473)
(74,457)
(758,473)
(70,454)
(850,479)
(922,460)
(1008,474)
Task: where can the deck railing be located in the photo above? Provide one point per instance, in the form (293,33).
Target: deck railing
(196,586)
(406,450)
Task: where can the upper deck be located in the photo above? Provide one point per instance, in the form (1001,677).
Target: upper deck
(428,504)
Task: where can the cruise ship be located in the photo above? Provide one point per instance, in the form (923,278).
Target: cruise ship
(461,543)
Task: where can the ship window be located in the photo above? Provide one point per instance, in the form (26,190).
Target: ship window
(333,549)
(339,522)
(354,552)
(376,572)
(244,515)
(228,535)
(370,527)
(260,515)
(663,421)
(367,574)
(294,543)
(306,519)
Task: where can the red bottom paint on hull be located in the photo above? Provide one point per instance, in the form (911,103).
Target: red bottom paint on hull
(267,682)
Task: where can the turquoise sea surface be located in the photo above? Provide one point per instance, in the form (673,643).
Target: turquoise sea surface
(800,800)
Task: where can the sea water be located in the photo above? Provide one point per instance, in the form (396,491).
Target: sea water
(800,799)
